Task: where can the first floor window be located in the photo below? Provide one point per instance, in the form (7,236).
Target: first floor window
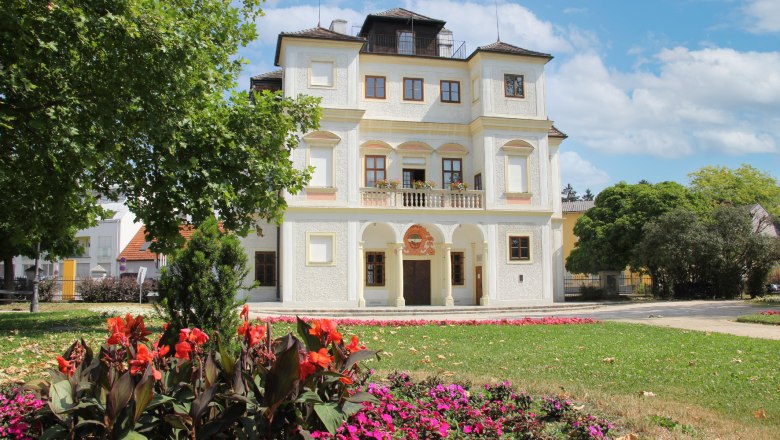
(450,91)
(451,172)
(519,248)
(513,86)
(321,158)
(375,170)
(375,268)
(413,89)
(265,268)
(457,261)
(375,87)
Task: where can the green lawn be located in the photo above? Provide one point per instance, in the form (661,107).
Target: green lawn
(703,384)
(760,319)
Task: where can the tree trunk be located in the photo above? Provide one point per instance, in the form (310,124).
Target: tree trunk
(36,281)
(8,273)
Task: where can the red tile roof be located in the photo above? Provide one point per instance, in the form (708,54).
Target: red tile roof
(501,47)
(133,252)
(554,132)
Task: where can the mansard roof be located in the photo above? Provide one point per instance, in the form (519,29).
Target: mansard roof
(318,33)
(399,14)
(501,47)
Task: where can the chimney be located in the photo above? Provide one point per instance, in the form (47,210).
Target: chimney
(339,26)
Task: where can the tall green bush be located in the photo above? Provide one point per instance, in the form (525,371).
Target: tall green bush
(198,287)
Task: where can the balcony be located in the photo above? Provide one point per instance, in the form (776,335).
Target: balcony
(405,44)
(407,198)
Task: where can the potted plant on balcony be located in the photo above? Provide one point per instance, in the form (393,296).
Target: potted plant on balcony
(423,184)
(459,186)
(386,184)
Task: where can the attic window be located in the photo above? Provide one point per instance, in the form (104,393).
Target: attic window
(145,246)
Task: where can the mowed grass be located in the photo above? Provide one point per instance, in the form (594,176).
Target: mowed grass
(703,385)
(760,319)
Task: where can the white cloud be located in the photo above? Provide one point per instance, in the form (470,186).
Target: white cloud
(581,173)
(711,99)
(763,16)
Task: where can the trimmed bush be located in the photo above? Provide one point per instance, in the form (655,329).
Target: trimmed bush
(113,289)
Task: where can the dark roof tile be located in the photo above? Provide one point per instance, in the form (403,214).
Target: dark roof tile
(403,13)
(501,47)
(554,132)
(321,32)
(276,74)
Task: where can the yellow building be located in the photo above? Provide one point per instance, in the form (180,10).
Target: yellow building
(571,212)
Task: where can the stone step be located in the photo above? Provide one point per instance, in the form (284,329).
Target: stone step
(433,311)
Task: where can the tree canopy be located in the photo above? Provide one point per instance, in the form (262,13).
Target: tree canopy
(100,97)
(609,231)
(742,186)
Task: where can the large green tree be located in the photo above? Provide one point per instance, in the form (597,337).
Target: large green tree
(742,186)
(132,96)
(610,230)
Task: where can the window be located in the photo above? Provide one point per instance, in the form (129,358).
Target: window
(320,249)
(104,246)
(322,160)
(375,268)
(450,91)
(451,172)
(457,261)
(413,89)
(406,43)
(265,268)
(321,74)
(375,170)
(375,87)
(83,250)
(517,174)
(478,182)
(513,86)
(519,248)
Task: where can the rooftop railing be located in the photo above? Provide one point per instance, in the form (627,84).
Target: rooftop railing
(406,44)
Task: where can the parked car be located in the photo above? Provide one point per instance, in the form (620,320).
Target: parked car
(773,288)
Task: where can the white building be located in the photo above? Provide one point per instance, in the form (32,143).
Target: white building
(403,101)
(101,244)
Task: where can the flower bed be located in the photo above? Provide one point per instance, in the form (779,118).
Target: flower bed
(770,312)
(550,320)
(16,415)
(431,410)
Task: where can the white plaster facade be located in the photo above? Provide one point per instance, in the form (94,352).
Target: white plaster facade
(506,142)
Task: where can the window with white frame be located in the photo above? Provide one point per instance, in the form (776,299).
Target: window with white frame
(321,158)
(517,174)
(320,249)
(321,73)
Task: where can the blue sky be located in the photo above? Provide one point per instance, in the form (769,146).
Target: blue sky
(645,89)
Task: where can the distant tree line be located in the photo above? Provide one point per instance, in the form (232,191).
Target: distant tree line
(570,195)
(700,241)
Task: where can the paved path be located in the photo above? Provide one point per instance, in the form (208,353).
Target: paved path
(715,316)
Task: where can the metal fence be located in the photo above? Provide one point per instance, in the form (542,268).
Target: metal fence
(594,287)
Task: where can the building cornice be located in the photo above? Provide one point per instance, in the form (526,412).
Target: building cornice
(440,128)
(342,114)
(513,124)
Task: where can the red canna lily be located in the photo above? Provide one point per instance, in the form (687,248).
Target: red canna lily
(307,369)
(198,337)
(325,328)
(245,312)
(321,358)
(346,380)
(256,334)
(243,328)
(66,367)
(355,345)
(183,350)
(142,358)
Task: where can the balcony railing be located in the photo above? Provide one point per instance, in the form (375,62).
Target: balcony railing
(407,45)
(406,198)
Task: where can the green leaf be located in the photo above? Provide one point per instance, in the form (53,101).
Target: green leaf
(53,432)
(211,370)
(311,342)
(61,395)
(358,356)
(362,396)
(119,396)
(143,393)
(282,377)
(178,421)
(132,435)
(227,361)
(330,416)
(309,396)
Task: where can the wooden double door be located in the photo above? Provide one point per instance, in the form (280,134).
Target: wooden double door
(417,282)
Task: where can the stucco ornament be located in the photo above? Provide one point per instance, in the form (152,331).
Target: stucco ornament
(418,241)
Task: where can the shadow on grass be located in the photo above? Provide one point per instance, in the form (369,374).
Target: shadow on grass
(51,322)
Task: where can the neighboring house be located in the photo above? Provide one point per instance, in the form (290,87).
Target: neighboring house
(408,118)
(572,211)
(764,222)
(138,254)
(100,244)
